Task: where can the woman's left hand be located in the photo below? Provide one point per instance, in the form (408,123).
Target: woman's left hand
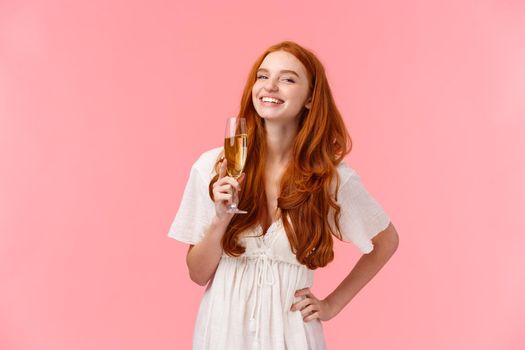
(311,307)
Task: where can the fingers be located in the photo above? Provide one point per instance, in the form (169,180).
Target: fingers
(309,309)
(224,197)
(241,178)
(223,187)
(309,306)
(226,188)
(223,171)
(304,291)
(228,181)
(223,168)
(312,316)
(301,304)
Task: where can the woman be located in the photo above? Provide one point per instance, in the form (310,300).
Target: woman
(299,193)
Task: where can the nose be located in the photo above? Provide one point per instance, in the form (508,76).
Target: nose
(270,85)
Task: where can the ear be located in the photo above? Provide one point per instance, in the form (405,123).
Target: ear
(308,103)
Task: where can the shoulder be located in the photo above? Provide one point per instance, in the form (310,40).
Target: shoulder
(204,165)
(350,183)
(346,173)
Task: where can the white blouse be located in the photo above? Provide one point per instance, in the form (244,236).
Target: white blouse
(247,303)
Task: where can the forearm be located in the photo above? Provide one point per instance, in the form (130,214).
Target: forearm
(364,270)
(203,258)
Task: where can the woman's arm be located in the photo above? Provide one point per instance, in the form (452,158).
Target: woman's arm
(385,245)
(203,258)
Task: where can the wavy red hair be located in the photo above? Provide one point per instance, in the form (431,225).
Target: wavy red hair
(306,192)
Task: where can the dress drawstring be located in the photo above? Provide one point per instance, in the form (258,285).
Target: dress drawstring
(264,275)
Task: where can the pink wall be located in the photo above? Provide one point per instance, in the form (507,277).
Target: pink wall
(104,105)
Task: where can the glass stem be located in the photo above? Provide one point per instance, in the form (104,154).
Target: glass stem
(235,199)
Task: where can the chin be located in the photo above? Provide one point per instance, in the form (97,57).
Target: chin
(280,115)
(269,116)
(278,118)
(266,115)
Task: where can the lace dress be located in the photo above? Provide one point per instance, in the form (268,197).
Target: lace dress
(247,303)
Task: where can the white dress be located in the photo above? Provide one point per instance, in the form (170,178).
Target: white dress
(247,303)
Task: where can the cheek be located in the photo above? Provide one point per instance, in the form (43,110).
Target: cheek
(298,99)
(298,93)
(254,91)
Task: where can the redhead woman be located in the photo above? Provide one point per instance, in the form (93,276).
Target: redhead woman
(258,267)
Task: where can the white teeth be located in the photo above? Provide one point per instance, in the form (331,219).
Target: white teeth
(270,99)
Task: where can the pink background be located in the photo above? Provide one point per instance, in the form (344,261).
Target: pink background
(104,106)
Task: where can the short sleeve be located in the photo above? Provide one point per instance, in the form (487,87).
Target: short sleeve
(196,209)
(362,217)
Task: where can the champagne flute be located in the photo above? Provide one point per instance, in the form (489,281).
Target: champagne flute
(235,151)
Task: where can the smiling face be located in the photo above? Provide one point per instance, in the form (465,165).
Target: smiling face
(281,89)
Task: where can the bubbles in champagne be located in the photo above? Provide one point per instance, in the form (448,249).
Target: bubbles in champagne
(235,151)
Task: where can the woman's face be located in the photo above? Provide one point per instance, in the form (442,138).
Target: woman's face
(281,89)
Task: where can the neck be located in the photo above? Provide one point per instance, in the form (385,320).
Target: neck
(279,141)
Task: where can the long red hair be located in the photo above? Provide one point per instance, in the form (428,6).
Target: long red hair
(306,193)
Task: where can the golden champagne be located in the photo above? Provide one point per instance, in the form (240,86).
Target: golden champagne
(235,151)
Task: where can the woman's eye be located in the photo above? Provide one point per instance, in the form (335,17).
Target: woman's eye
(285,79)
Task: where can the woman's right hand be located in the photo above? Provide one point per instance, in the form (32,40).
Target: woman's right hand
(223,192)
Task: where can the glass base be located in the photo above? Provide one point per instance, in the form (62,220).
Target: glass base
(235,210)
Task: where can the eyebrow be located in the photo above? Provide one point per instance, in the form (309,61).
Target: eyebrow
(282,71)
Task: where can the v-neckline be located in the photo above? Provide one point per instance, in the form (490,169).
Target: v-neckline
(267,237)
(271,228)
